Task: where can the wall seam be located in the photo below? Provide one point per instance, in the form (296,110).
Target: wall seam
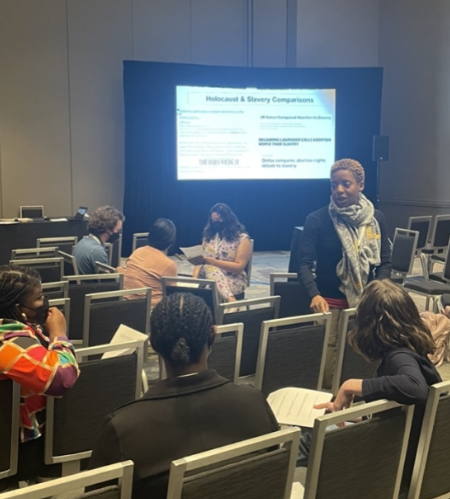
(69,109)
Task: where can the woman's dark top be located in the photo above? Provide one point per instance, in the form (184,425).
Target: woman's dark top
(321,248)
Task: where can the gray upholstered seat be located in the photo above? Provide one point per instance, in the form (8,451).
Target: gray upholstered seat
(50,269)
(9,427)
(294,298)
(225,356)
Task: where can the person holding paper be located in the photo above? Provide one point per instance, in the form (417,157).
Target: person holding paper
(389,330)
(36,354)
(228,248)
(191,411)
(148,264)
(346,243)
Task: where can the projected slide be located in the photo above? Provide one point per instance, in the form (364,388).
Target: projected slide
(226,133)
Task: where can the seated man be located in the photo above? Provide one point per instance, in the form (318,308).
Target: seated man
(191,411)
(105,225)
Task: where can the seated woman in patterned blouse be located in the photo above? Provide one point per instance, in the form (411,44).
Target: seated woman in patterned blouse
(34,352)
(229,250)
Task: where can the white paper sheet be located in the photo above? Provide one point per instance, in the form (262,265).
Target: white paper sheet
(123,334)
(298,491)
(193,251)
(295,406)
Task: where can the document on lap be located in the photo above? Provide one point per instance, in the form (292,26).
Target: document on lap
(295,406)
(194,254)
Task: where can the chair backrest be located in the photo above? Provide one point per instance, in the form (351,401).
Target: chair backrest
(99,283)
(294,298)
(249,266)
(423,226)
(69,485)
(225,356)
(252,313)
(103,314)
(55,290)
(103,268)
(203,288)
(31,211)
(109,252)
(50,269)
(62,304)
(26,253)
(446,273)
(74,421)
(70,264)
(9,427)
(441,232)
(253,469)
(349,364)
(361,460)
(430,478)
(295,356)
(139,239)
(65,243)
(404,251)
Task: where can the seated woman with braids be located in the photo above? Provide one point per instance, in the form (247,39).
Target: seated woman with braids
(34,352)
(191,411)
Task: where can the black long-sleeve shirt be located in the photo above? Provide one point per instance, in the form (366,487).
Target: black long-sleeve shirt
(321,248)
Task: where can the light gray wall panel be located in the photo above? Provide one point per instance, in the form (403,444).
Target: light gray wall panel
(219,32)
(161,30)
(99,41)
(337,33)
(415,53)
(269,33)
(34,119)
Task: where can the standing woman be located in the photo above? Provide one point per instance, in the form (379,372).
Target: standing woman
(34,352)
(229,250)
(347,244)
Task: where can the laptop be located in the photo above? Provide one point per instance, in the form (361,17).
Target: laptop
(82,210)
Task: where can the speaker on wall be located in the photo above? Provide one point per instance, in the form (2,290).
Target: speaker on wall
(380,148)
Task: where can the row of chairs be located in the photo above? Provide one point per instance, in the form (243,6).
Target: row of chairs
(340,464)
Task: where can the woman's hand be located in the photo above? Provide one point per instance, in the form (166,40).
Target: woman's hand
(55,324)
(319,305)
(345,396)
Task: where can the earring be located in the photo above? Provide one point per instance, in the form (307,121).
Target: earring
(24,316)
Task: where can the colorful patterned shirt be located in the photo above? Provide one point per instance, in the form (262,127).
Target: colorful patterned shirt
(41,367)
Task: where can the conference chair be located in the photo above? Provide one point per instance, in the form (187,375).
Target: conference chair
(431,289)
(225,356)
(64,243)
(430,478)
(252,313)
(50,269)
(26,253)
(139,239)
(293,357)
(70,264)
(261,467)
(203,288)
(98,283)
(63,305)
(423,226)
(70,486)
(440,236)
(31,211)
(103,268)
(349,364)
(9,427)
(294,298)
(73,422)
(403,254)
(105,312)
(362,460)
(54,290)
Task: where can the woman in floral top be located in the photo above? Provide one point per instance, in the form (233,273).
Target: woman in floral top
(228,248)
(34,352)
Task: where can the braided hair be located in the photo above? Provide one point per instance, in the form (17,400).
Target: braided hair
(180,328)
(16,283)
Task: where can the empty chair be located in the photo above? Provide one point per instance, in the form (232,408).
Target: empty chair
(294,300)
(105,312)
(403,253)
(363,460)
(252,313)
(99,283)
(9,427)
(54,290)
(65,243)
(50,269)
(26,253)
(69,486)
(430,477)
(262,467)
(295,356)
(139,239)
(31,211)
(440,236)
(423,226)
(70,263)
(73,422)
(349,364)
(225,356)
(203,288)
